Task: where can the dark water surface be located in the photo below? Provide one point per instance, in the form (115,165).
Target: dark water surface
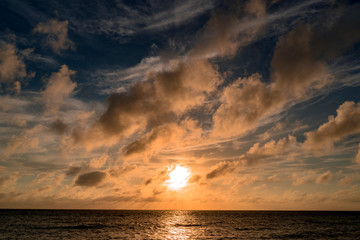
(130,224)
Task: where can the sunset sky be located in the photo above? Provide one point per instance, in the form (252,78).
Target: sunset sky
(246,105)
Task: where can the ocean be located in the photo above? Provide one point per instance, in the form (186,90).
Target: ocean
(139,224)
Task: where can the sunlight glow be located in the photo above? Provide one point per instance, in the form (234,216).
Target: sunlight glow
(178,178)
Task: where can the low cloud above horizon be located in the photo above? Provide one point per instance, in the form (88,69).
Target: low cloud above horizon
(258,100)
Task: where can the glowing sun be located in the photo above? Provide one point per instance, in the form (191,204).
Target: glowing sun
(178,178)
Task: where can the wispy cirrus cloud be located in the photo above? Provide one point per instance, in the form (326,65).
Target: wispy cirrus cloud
(155,17)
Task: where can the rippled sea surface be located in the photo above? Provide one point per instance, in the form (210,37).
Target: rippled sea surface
(130,224)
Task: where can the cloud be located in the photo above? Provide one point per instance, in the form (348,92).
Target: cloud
(307,177)
(248,100)
(118,171)
(90,179)
(12,66)
(58,88)
(23,143)
(295,65)
(300,59)
(50,179)
(284,146)
(346,122)
(222,168)
(325,177)
(148,181)
(194,179)
(98,162)
(299,70)
(132,21)
(116,80)
(57,35)
(160,177)
(58,127)
(310,176)
(73,171)
(346,181)
(357,157)
(244,101)
(224,33)
(169,134)
(153,102)
(256,7)
(6,181)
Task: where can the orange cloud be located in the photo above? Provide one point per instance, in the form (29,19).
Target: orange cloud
(325,177)
(244,102)
(23,143)
(73,171)
(12,67)
(357,158)
(58,88)
(222,168)
(345,123)
(255,154)
(166,135)
(224,33)
(152,103)
(57,35)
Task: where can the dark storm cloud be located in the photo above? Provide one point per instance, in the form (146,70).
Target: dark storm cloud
(90,179)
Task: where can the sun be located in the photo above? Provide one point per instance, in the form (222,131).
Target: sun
(178,178)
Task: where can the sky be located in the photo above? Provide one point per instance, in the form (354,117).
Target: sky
(207,104)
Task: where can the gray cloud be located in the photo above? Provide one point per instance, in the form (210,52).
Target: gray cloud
(90,179)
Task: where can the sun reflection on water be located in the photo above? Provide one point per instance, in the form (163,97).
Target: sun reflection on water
(180,225)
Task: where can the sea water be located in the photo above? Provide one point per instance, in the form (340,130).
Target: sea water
(133,224)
